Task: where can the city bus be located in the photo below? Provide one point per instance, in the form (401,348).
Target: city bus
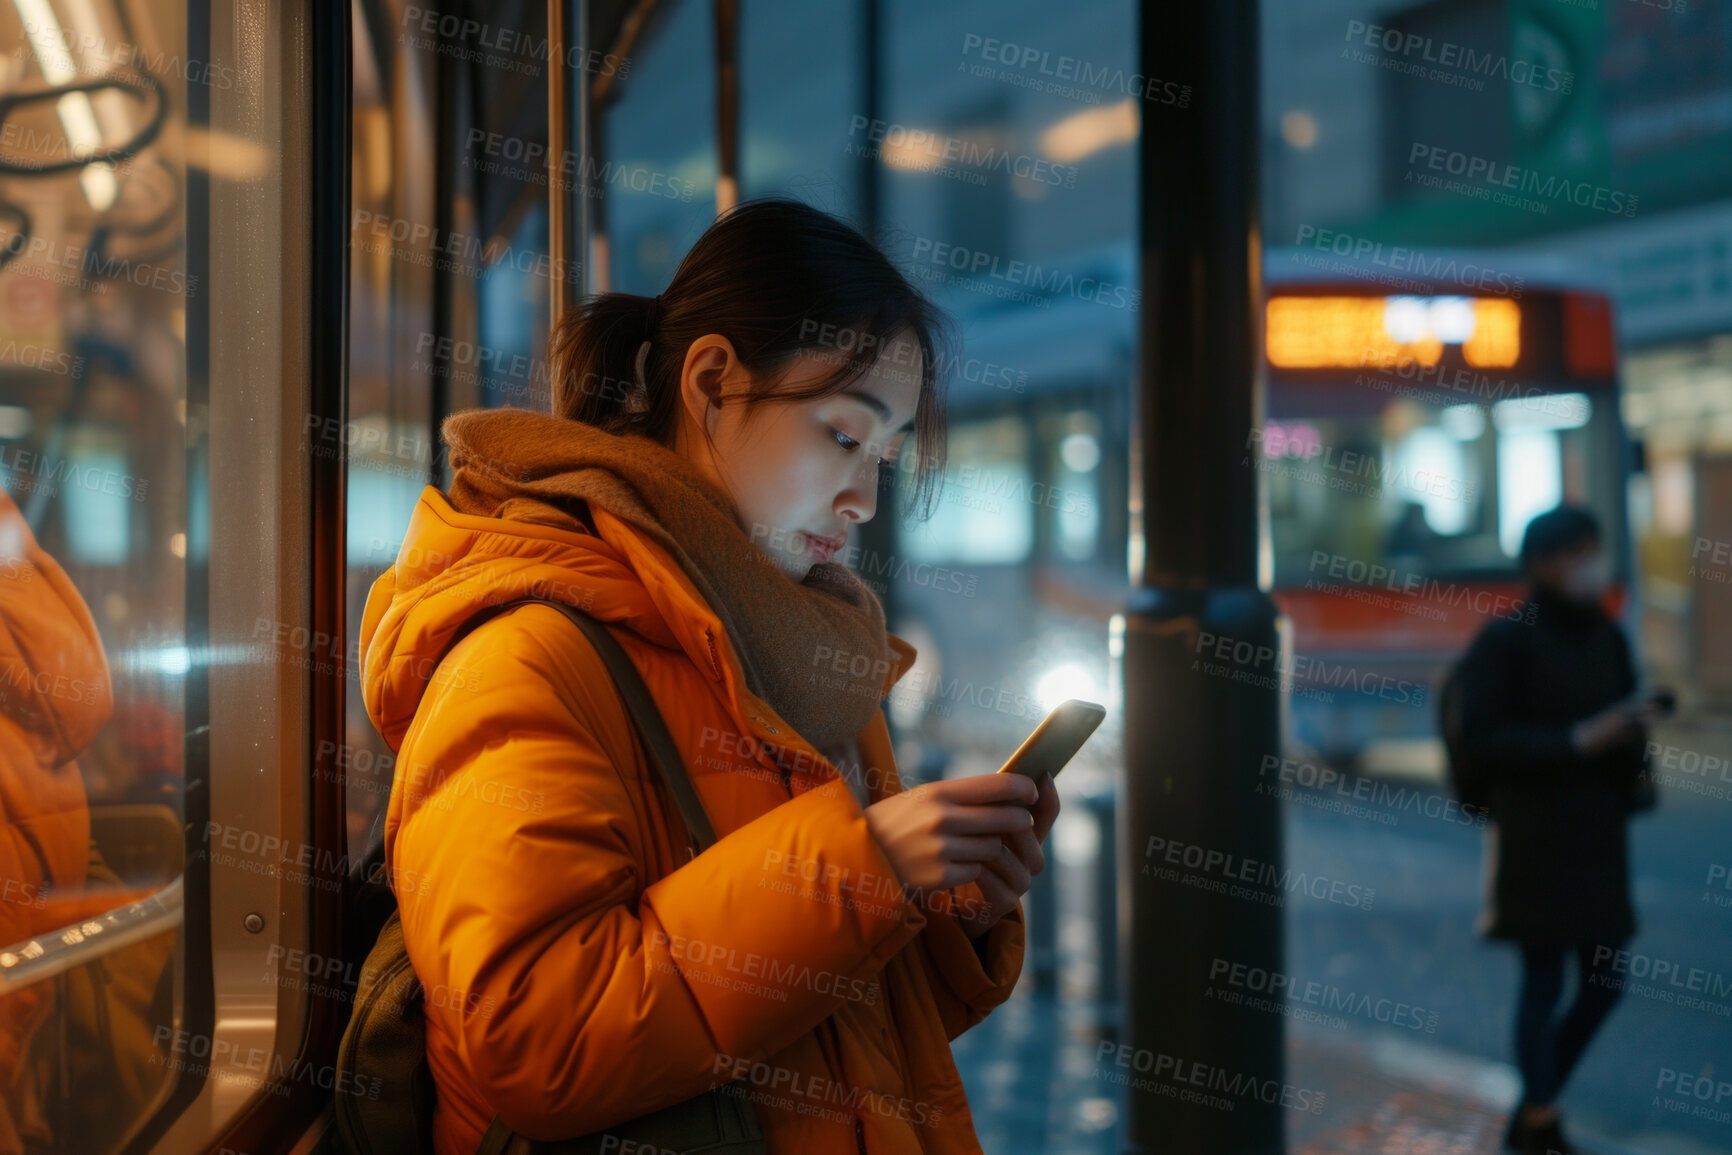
(1421,408)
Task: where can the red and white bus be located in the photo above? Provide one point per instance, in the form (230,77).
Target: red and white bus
(1421,409)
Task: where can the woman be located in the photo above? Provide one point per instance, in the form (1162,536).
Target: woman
(722,438)
(1549,709)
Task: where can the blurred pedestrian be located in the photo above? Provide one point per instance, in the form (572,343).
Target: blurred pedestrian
(1551,716)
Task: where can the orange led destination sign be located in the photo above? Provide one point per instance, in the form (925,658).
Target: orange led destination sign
(1353,332)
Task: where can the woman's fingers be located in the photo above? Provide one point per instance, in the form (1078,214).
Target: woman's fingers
(1046,808)
(1011,870)
(1027,851)
(985,819)
(1000,897)
(980,789)
(960,874)
(973,847)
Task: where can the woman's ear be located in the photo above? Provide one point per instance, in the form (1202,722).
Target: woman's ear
(709,363)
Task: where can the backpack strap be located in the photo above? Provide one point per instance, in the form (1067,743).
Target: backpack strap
(664,756)
(498,1137)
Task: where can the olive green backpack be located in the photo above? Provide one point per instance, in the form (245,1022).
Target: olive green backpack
(385,1094)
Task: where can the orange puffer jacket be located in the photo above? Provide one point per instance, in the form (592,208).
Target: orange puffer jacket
(580,970)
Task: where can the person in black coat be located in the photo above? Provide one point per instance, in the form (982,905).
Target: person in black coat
(1550,712)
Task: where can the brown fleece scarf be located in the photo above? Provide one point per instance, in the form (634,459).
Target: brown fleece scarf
(516,464)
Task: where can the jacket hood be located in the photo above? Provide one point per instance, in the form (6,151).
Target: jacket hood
(453,568)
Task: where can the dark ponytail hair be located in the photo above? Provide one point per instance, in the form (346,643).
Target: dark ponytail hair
(776,277)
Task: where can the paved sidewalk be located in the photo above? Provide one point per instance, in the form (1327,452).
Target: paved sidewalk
(1035,1088)
(1391,1097)
(1373,1110)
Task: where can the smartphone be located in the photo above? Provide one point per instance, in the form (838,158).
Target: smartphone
(1056,740)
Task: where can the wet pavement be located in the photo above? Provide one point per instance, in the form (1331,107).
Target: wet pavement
(1650,1084)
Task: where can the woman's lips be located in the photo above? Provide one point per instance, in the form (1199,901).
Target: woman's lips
(825,547)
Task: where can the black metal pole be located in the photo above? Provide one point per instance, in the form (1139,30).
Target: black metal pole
(568,124)
(1200,848)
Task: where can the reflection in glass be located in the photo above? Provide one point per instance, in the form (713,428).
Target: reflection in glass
(93,543)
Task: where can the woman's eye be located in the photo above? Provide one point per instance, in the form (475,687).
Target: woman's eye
(848,443)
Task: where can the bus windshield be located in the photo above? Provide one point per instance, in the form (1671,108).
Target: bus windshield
(1424,482)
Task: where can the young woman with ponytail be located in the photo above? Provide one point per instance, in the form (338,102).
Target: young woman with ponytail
(721,439)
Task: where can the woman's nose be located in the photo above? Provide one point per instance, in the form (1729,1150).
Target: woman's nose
(858,502)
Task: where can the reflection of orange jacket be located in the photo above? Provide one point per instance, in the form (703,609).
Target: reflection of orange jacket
(577,974)
(54,697)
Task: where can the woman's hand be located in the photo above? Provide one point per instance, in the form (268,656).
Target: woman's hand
(943,834)
(1008,876)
